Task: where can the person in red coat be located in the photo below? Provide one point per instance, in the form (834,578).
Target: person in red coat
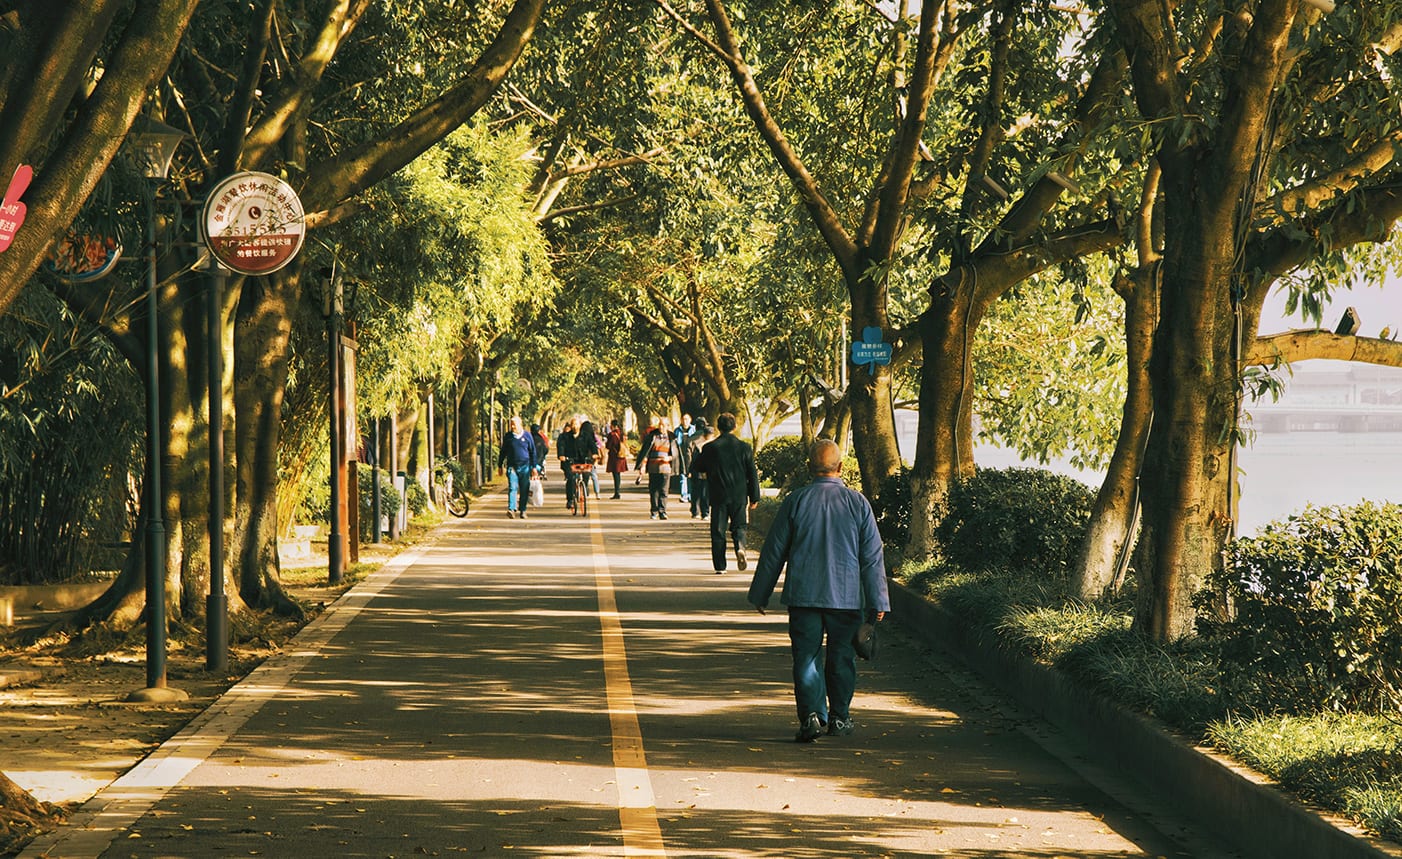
(616,448)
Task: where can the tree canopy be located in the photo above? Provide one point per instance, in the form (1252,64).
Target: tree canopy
(1065,219)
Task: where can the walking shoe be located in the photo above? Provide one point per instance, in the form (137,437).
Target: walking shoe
(652,515)
(810,729)
(841,727)
(523,514)
(661,515)
(510,514)
(720,572)
(740,560)
(615,496)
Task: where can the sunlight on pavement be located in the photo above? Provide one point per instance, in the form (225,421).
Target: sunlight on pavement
(637,812)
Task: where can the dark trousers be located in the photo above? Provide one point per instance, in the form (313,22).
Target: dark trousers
(827,692)
(700,498)
(617,479)
(727,516)
(657,493)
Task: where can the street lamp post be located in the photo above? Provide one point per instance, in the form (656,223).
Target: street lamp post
(333,309)
(217,603)
(375,483)
(155,144)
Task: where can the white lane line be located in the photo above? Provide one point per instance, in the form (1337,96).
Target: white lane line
(96,825)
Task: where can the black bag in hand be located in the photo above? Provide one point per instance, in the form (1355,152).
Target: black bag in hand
(865,640)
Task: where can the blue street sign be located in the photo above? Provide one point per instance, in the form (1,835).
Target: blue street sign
(871,350)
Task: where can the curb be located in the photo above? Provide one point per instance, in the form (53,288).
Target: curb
(1245,809)
(18,677)
(13,598)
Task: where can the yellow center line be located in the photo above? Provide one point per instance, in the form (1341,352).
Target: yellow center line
(637,808)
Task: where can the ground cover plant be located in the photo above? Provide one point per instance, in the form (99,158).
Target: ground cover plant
(1294,674)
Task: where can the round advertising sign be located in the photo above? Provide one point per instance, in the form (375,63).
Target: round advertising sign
(253,223)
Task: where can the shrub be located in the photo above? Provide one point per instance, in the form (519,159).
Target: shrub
(782,461)
(1015,518)
(416,497)
(760,519)
(783,464)
(390,500)
(892,508)
(1318,609)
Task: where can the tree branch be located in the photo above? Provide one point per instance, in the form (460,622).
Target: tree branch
(1373,213)
(1314,194)
(998,272)
(881,226)
(591,207)
(825,218)
(1304,344)
(362,166)
(273,126)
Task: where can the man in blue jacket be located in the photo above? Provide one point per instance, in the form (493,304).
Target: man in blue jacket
(826,534)
(518,458)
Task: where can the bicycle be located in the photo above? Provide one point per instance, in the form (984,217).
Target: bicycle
(450,492)
(579,482)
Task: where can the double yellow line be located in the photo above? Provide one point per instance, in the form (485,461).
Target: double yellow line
(637,807)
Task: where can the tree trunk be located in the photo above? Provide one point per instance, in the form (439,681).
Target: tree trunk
(868,394)
(184,471)
(1110,534)
(1195,388)
(123,601)
(472,444)
(944,442)
(19,804)
(262,333)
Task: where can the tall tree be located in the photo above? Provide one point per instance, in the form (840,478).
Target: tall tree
(864,244)
(1276,161)
(60,117)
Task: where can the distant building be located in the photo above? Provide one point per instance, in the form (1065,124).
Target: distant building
(1333,396)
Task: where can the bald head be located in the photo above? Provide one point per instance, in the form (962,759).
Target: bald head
(825,458)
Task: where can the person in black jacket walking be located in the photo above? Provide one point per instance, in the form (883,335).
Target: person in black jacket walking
(733,485)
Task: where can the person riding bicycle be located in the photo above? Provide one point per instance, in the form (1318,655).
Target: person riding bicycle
(584,448)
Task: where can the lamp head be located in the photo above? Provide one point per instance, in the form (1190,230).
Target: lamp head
(154,143)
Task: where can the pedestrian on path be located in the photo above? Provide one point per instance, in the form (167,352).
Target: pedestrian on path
(542,449)
(826,535)
(700,493)
(658,454)
(517,456)
(733,485)
(683,435)
(617,447)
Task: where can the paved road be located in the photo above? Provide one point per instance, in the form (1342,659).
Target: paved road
(569,687)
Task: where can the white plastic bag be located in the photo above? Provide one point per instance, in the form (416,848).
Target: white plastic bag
(537,491)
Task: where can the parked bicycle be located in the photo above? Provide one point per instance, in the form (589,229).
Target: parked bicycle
(450,488)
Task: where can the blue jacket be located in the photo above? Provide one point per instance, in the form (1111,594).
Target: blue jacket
(826,534)
(517,450)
